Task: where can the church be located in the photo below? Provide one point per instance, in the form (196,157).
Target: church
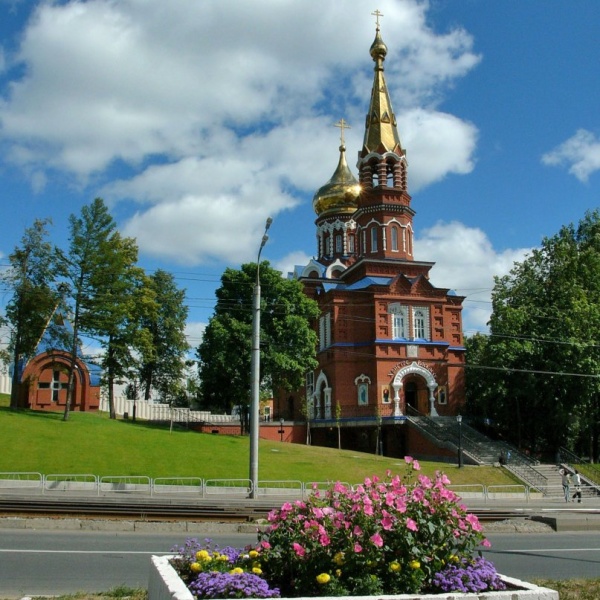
(390,341)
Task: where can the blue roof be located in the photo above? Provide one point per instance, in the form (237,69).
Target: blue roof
(357,285)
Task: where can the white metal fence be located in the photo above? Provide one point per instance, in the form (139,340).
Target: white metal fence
(84,484)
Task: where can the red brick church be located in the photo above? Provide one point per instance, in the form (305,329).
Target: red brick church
(390,342)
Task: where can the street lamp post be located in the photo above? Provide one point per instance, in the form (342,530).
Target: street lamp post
(255,371)
(281,431)
(460,456)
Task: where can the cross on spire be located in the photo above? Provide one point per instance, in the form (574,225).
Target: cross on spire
(377,14)
(342,125)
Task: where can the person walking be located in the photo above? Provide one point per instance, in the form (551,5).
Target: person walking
(577,484)
(566,483)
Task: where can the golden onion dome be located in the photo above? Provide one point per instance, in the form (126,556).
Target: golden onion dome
(378,49)
(340,193)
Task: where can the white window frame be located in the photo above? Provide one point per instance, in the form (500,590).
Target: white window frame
(399,317)
(420,323)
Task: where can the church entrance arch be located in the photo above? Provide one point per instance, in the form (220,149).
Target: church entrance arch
(417,384)
(322,398)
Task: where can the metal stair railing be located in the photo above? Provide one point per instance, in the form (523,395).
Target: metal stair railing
(444,431)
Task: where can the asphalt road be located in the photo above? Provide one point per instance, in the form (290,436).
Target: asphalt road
(60,562)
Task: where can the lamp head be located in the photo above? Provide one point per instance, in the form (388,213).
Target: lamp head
(459,419)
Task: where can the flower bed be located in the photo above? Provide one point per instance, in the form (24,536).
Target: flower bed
(165,584)
(400,536)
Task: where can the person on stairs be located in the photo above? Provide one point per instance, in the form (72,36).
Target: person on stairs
(565,479)
(577,484)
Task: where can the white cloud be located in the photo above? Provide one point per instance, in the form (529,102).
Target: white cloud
(580,152)
(222,119)
(467,263)
(287,263)
(194,332)
(438,144)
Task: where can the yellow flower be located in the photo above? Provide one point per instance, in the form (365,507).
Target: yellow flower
(454,558)
(236,571)
(338,558)
(203,556)
(323,578)
(414,564)
(257,570)
(338,572)
(195,567)
(253,554)
(223,558)
(395,566)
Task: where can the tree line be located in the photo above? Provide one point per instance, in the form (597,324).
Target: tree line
(535,379)
(138,319)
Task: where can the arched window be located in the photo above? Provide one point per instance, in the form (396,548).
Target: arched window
(338,243)
(399,315)
(373,239)
(390,174)
(420,323)
(394,238)
(350,244)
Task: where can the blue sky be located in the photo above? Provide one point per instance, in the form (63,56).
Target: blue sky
(196,121)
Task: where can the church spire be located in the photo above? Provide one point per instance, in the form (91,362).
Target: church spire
(384,216)
(381,133)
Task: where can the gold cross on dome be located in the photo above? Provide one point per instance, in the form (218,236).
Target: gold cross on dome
(377,14)
(342,125)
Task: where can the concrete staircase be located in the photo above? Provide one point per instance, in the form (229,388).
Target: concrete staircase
(477,448)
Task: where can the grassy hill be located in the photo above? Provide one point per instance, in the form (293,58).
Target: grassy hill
(91,443)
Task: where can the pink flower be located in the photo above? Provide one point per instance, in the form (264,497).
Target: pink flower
(387,523)
(416,465)
(357,548)
(377,540)
(408,459)
(298,549)
(264,544)
(486,543)
(474,521)
(425,481)
(357,530)
(324,539)
(411,524)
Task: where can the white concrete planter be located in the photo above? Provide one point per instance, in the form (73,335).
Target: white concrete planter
(165,584)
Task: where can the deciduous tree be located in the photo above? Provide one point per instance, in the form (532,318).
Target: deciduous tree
(162,360)
(543,356)
(31,278)
(288,342)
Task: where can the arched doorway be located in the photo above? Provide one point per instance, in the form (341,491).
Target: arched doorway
(417,384)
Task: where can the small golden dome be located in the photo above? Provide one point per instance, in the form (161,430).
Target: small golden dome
(378,49)
(340,193)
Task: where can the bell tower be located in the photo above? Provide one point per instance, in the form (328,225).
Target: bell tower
(384,216)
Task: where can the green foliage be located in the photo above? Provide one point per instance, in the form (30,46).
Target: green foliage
(95,269)
(31,278)
(163,355)
(388,536)
(542,384)
(288,342)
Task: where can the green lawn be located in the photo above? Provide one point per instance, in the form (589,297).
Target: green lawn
(91,443)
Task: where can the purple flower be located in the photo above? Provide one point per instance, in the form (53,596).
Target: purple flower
(227,585)
(478,575)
